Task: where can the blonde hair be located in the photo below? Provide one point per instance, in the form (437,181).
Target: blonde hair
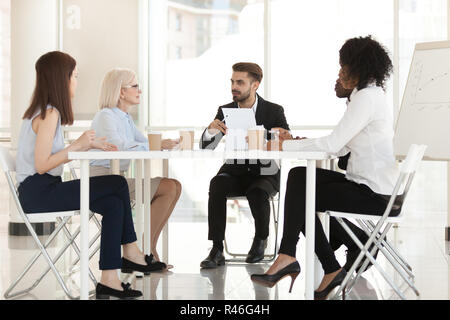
(112,83)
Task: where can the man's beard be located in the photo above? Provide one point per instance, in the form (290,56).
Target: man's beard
(242,97)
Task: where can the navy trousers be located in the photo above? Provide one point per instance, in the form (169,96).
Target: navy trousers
(108,196)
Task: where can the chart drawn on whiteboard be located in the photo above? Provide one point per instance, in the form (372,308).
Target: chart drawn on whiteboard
(424,115)
(429,90)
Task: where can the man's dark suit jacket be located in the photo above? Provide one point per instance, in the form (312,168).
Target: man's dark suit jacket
(268,114)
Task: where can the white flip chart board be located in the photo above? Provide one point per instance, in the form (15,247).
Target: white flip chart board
(424,116)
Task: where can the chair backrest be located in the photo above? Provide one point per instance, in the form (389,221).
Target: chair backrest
(9,166)
(7,160)
(407,172)
(413,158)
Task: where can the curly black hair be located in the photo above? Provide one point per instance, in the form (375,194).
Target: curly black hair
(366,60)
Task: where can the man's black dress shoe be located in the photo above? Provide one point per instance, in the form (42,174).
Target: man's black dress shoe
(269,280)
(152,265)
(353,255)
(322,295)
(256,252)
(214,259)
(104,292)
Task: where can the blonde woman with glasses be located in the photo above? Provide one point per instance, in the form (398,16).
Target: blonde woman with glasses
(119,93)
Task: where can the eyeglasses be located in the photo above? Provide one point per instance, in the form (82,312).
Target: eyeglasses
(135,86)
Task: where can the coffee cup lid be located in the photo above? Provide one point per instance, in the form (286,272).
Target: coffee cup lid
(154,132)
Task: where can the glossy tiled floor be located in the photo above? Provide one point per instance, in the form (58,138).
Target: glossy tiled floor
(422,247)
(420,239)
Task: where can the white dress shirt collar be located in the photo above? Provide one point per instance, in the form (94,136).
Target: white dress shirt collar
(255,105)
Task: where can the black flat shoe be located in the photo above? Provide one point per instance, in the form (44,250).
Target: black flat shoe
(152,265)
(269,280)
(256,252)
(322,295)
(104,292)
(214,259)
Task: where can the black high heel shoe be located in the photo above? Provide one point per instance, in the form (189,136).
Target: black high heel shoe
(152,265)
(269,280)
(322,295)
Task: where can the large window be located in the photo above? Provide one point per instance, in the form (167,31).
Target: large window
(306,38)
(205,38)
(420,21)
(5,59)
(192,45)
(423,21)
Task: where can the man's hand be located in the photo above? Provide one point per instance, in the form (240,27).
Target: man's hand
(217,126)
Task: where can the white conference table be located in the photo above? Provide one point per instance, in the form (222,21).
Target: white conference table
(147,156)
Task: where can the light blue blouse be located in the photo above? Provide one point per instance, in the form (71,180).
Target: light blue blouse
(119,129)
(27,143)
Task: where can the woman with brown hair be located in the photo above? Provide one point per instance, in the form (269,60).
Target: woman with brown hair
(39,164)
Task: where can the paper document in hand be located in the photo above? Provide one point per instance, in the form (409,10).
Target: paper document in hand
(237,118)
(238,121)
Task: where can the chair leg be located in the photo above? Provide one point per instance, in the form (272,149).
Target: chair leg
(77,259)
(368,226)
(396,254)
(267,257)
(44,252)
(30,264)
(363,252)
(76,249)
(71,242)
(71,239)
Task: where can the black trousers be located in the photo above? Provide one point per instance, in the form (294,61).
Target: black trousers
(257,189)
(108,196)
(333,192)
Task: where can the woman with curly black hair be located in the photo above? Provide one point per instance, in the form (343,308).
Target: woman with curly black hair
(365,130)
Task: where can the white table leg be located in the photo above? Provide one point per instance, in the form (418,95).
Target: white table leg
(139,207)
(165,255)
(84,229)
(310,227)
(147,206)
(115,166)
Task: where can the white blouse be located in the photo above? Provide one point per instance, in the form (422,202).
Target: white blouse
(365,130)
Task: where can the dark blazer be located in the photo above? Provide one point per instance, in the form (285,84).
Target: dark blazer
(268,114)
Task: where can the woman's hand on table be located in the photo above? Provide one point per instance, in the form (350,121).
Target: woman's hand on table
(102,144)
(88,140)
(277,145)
(283,134)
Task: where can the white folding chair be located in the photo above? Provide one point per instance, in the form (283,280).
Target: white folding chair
(377,228)
(275,215)
(8,166)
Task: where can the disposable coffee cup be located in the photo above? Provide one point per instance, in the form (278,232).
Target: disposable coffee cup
(154,141)
(256,138)
(275,139)
(186,139)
